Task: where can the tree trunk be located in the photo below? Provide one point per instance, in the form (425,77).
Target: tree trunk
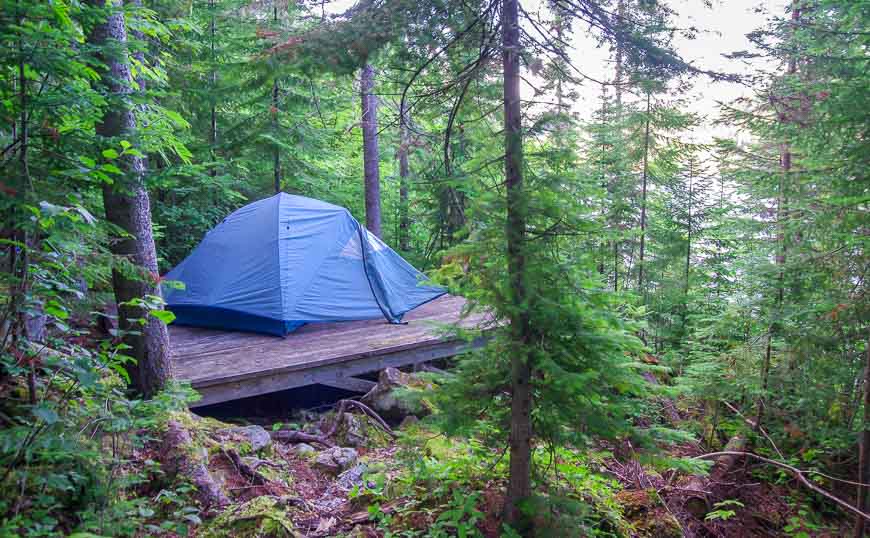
(617,80)
(643,203)
(616,264)
(276,155)
(127,206)
(699,501)
(864,451)
(785,165)
(519,485)
(688,264)
(404,173)
(212,133)
(371,158)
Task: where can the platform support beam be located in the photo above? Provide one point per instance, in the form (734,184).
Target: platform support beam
(353,384)
(328,374)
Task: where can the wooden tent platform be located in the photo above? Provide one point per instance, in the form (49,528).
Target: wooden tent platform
(224,366)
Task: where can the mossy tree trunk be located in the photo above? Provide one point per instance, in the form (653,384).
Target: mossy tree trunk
(127,207)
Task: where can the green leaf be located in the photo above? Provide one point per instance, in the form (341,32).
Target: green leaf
(110,153)
(163,315)
(54,308)
(111,168)
(89,218)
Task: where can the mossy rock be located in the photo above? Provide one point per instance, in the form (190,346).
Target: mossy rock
(196,423)
(260,517)
(399,394)
(358,430)
(647,515)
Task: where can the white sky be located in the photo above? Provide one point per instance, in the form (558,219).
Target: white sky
(722,29)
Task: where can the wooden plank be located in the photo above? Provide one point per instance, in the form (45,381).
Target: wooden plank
(226,365)
(273,382)
(230,356)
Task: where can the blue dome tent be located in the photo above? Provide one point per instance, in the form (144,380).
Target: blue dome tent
(279,263)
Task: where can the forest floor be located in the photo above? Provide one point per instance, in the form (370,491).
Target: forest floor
(423,484)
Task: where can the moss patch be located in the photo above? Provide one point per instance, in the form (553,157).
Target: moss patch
(646,514)
(261,516)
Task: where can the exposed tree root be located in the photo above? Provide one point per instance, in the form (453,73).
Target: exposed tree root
(178,458)
(244,469)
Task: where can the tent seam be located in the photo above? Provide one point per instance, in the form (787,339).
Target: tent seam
(388,312)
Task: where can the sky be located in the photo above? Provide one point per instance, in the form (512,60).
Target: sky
(722,29)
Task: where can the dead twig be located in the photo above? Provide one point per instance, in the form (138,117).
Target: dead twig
(374,416)
(342,409)
(794,471)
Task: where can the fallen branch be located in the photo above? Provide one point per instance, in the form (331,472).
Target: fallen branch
(751,423)
(342,409)
(374,416)
(294,436)
(794,471)
(243,468)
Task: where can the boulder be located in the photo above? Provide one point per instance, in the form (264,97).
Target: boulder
(304,449)
(256,436)
(408,422)
(335,460)
(352,430)
(398,395)
(352,477)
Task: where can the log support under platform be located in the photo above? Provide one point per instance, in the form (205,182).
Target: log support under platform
(353,384)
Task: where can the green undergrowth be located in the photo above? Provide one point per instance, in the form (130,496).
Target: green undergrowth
(78,460)
(440,486)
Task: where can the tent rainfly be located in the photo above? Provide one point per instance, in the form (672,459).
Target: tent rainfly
(279,263)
